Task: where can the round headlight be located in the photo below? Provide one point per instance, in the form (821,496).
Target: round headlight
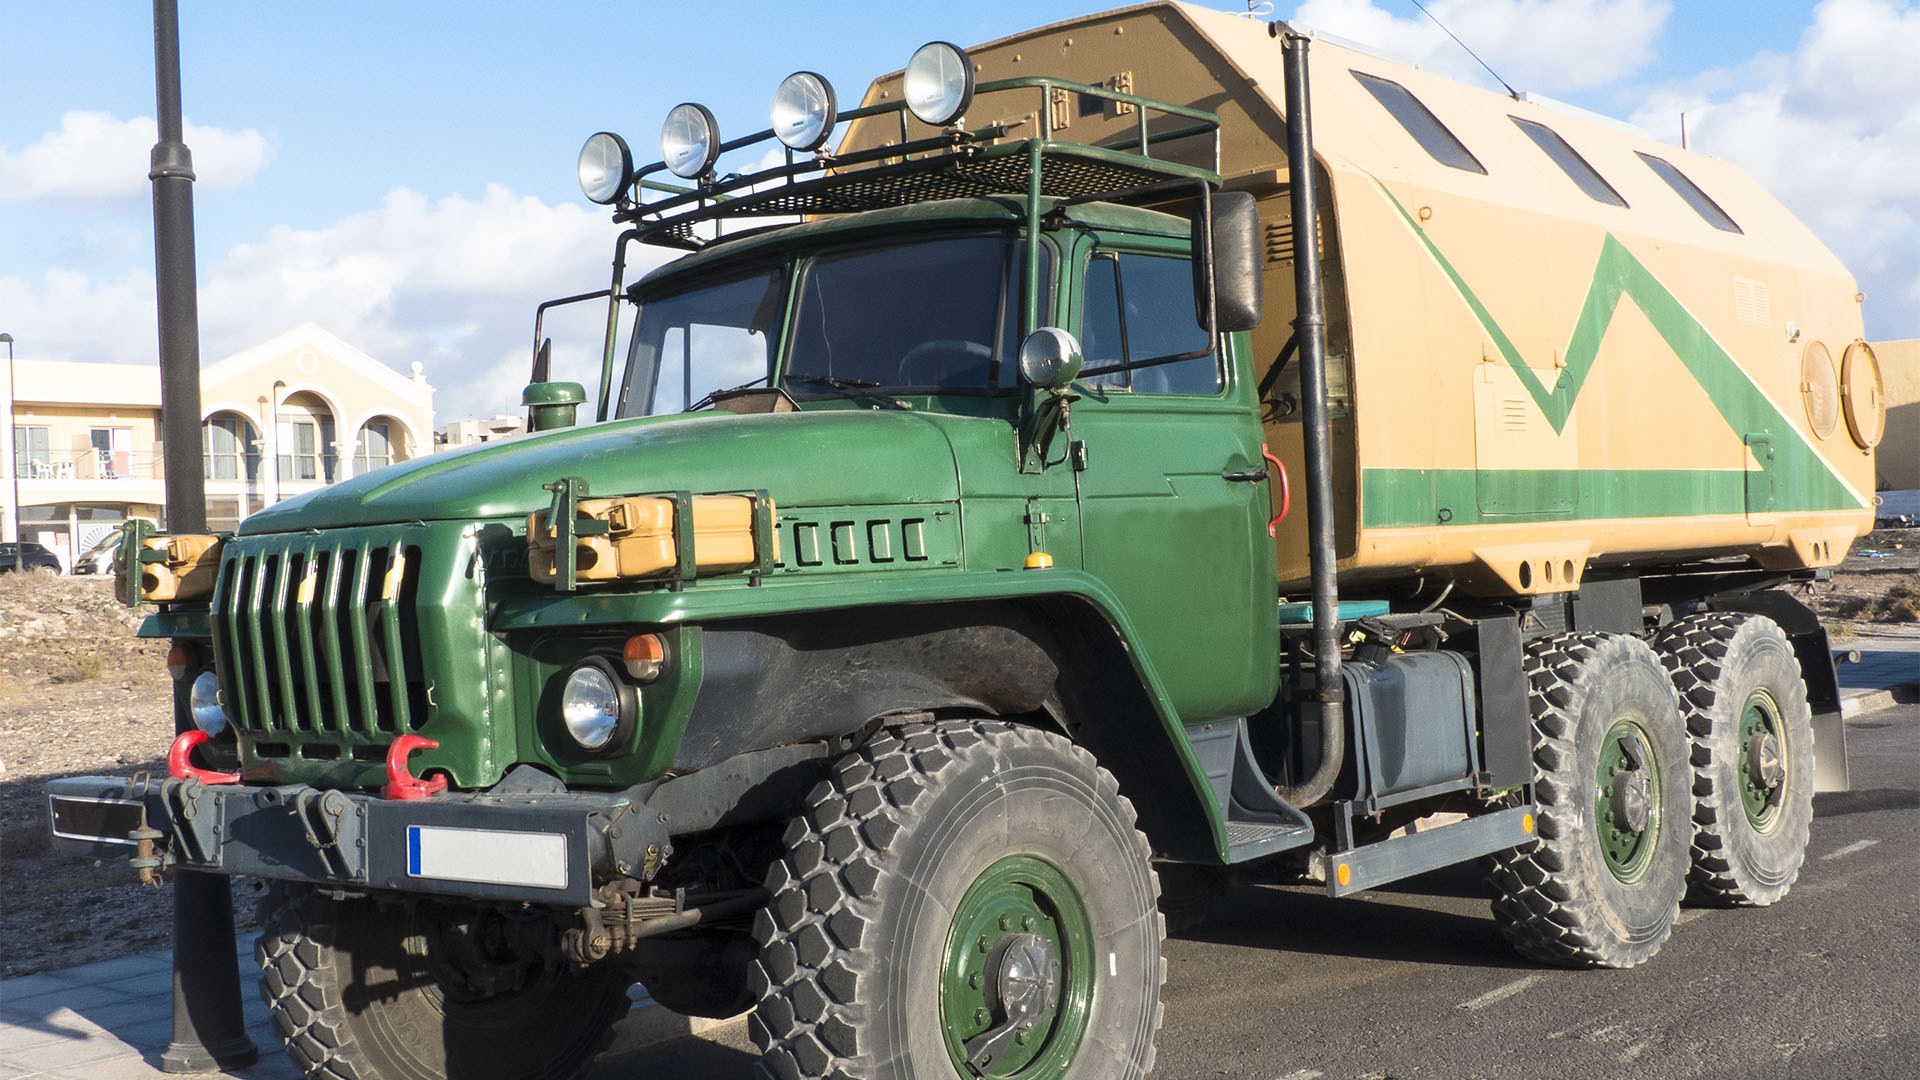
(203,701)
(689,140)
(803,111)
(939,83)
(606,167)
(1050,358)
(592,705)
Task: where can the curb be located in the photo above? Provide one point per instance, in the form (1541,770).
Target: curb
(1868,701)
(649,1024)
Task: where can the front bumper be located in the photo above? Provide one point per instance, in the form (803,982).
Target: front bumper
(548,848)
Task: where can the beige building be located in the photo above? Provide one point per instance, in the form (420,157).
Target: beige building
(471,432)
(1898,460)
(289,415)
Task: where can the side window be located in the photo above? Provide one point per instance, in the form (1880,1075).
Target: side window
(1708,210)
(1426,128)
(1139,308)
(1577,168)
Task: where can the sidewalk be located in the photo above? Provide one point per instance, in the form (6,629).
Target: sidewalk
(112,1020)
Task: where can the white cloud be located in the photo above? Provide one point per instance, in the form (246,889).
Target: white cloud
(1550,46)
(450,283)
(94,157)
(1833,131)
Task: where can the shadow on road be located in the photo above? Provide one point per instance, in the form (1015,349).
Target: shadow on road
(1410,921)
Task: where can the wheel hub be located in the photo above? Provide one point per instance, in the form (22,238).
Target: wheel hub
(1765,766)
(1762,769)
(1026,977)
(1632,800)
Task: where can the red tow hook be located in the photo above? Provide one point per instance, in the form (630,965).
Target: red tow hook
(183,769)
(1286,493)
(402,784)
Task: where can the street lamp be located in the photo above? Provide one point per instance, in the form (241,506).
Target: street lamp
(13,432)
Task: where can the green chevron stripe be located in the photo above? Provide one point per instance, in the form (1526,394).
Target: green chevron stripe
(1802,479)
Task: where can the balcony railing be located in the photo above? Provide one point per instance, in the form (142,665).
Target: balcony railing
(88,465)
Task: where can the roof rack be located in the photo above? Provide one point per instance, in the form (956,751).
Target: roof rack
(955,163)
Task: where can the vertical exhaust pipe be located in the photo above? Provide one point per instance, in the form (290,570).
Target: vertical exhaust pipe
(209,1030)
(1310,329)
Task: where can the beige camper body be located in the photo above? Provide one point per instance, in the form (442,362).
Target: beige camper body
(1527,381)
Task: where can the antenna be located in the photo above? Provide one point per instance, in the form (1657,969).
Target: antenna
(1511,92)
(1683,131)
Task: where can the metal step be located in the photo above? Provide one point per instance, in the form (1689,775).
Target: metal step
(1257,821)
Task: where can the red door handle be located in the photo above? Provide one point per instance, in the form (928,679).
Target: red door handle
(1286,492)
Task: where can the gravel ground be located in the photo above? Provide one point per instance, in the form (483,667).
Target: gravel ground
(79,695)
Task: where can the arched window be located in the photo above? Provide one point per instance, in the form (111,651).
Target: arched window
(226,440)
(374,448)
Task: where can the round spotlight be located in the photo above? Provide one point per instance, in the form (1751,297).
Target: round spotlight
(595,706)
(689,141)
(606,167)
(1050,358)
(203,701)
(803,111)
(939,83)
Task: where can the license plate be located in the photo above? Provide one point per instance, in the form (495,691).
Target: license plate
(488,856)
(99,821)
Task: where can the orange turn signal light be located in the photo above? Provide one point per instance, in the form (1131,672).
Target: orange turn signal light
(644,655)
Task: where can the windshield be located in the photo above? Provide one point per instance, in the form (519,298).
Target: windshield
(927,316)
(689,344)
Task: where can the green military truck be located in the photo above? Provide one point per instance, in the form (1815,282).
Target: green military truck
(925,618)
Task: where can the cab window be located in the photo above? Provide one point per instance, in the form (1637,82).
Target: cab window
(1138,308)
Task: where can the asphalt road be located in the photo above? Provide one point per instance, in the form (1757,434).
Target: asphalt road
(1413,981)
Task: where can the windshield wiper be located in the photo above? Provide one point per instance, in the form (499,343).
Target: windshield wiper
(855,387)
(711,394)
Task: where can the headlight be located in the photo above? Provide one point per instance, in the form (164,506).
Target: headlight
(803,111)
(939,83)
(605,168)
(689,141)
(203,701)
(1050,358)
(595,705)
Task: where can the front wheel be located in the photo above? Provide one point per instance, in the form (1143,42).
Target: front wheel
(960,900)
(362,991)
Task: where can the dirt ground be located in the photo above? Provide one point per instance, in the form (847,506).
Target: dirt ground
(79,695)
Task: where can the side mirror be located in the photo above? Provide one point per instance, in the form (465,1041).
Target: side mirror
(1226,261)
(552,404)
(1050,358)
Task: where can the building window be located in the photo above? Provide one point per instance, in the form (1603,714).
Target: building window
(1707,209)
(374,449)
(112,452)
(299,450)
(225,443)
(32,453)
(1578,170)
(1426,128)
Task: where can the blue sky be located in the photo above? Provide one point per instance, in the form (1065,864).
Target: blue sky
(346,149)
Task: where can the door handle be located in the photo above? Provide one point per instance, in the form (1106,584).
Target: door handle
(1245,476)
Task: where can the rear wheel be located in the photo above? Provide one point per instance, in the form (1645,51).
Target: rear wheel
(1745,707)
(361,991)
(961,899)
(1601,885)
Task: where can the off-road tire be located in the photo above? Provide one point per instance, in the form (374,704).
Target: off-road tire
(349,1000)
(1718,663)
(1557,900)
(849,974)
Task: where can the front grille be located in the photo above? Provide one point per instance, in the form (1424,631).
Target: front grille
(320,635)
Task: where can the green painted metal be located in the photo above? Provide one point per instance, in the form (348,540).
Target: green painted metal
(1802,479)
(1421,497)
(1626,752)
(1020,894)
(1760,719)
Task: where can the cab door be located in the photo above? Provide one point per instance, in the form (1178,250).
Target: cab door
(1173,496)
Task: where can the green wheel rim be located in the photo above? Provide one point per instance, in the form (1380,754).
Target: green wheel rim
(1626,753)
(1020,894)
(1760,719)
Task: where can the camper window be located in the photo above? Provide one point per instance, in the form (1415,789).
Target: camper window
(1426,129)
(1695,198)
(1576,167)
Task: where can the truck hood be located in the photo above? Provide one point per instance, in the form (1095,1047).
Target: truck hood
(821,458)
